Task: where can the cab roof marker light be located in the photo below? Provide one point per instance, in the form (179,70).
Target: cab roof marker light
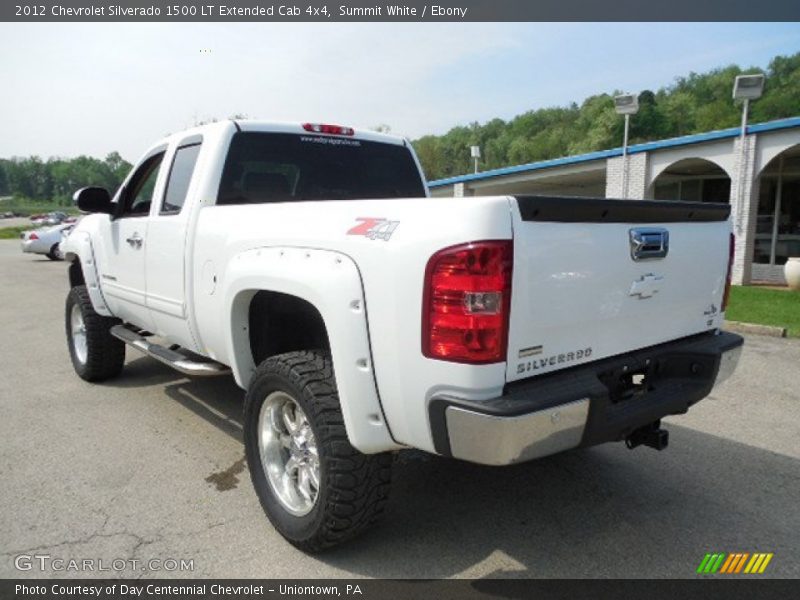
(329,129)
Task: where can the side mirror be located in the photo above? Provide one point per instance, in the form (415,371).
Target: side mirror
(93,200)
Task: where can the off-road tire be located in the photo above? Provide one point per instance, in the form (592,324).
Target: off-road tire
(354,487)
(105,354)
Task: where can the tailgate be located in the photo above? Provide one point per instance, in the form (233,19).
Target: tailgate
(595,278)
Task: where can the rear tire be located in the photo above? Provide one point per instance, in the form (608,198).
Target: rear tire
(96,354)
(55,253)
(317,490)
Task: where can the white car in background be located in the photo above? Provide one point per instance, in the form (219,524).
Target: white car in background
(46,241)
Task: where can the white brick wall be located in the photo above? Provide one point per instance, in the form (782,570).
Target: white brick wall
(461,190)
(744,210)
(637,176)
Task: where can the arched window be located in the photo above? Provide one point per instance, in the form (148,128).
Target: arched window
(694,179)
(778,223)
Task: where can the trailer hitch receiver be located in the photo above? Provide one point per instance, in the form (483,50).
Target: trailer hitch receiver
(650,435)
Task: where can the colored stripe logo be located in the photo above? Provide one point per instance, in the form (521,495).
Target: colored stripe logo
(735,563)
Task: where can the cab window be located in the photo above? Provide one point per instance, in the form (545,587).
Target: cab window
(180,176)
(138,194)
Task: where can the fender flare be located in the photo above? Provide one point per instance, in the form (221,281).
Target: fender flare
(80,248)
(331,283)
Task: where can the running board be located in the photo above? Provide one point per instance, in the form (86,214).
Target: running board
(176,360)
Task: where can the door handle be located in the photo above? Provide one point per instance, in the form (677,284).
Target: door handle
(135,241)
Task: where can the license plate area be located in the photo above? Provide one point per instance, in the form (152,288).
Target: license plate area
(630,382)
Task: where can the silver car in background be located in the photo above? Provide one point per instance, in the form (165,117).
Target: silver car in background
(46,240)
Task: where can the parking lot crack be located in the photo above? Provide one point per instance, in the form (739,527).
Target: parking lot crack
(70,542)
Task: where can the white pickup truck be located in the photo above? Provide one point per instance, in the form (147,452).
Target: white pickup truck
(363,317)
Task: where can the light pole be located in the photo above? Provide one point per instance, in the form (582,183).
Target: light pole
(626,104)
(746,88)
(475,152)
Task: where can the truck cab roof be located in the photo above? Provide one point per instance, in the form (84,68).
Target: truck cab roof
(256,125)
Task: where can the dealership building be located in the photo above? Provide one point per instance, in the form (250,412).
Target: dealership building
(758,174)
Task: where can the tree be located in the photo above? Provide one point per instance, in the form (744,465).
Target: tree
(118,169)
(781,90)
(4,189)
(649,122)
(57,179)
(694,103)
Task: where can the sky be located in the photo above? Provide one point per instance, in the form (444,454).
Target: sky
(73,89)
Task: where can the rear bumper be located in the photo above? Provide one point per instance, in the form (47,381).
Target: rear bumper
(34,247)
(585,405)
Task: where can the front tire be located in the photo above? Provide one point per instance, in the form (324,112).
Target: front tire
(316,489)
(96,354)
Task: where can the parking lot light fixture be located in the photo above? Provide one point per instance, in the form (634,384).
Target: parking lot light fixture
(475,152)
(746,88)
(626,104)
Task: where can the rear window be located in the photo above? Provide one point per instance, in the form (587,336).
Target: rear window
(285,167)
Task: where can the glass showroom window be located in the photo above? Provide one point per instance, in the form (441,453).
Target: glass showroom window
(778,224)
(695,180)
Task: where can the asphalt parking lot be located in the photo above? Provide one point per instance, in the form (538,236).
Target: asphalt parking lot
(150,466)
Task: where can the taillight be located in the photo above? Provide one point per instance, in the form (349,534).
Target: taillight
(33,236)
(727,293)
(329,129)
(466,302)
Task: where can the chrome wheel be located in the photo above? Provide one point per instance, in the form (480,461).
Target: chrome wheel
(78,330)
(289,454)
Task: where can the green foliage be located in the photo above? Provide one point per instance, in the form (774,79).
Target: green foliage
(12,233)
(692,104)
(54,181)
(26,207)
(4,190)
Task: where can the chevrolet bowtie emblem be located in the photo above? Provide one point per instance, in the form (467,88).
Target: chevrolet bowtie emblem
(647,286)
